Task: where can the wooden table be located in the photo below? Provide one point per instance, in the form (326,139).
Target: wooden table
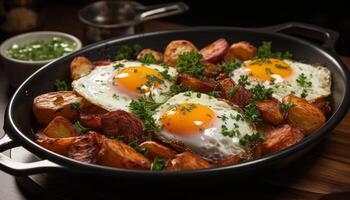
(326,169)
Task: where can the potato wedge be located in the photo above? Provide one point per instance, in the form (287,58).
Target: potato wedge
(304,115)
(48,106)
(115,153)
(241,51)
(323,105)
(196,84)
(211,70)
(102,63)
(281,138)
(215,51)
(60,127)
(231,160)
(80,66)
(187,161)
(156,55)
(57,145)
(156,150)
(235,94)
(122,123)
(270,111)
(175,48)
(86,147)
(91,116)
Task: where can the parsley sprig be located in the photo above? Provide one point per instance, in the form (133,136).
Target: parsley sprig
(61,85)
(230,66)
(158,165)
(126,52)
(264,51)
(147,59)
(247,139)
(304,83)
(190,63)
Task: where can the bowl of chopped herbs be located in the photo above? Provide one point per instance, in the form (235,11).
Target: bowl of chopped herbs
(23,54)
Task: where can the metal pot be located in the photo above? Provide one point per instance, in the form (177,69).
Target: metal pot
(105,19)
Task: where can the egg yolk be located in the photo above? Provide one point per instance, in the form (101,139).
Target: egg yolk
(269,69)
(138,79)
(187,119)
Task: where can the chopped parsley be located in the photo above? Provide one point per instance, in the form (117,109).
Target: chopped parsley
(115,96)
(230,66)
(243,80)
(251,138)
(190,63)
(176,89)
(165,75)
(139,149)
(215,94)
(303,82)
(158,165)
(119,65)
(252,113)
(147,59)
(286,106)
(75,106)
(80,128)
(264,51)
(143,108)
(229,133)
(61,85)
(119,137)
(233,91)
(126,52)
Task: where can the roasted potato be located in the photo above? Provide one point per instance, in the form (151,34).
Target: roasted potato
(102,63)
(156,150)
(211,70)
(235,94)
(80,67)
(187,161)
(196,84)
(231,160)
(57,145)
(281,138)
(123,123)
(304,115)
(60,127)
(215,51)
(241,51)
(115,153)
(48,106)
(270,111)
(91,116)
(156,55)
(322,104)
(175,48)
(86,147)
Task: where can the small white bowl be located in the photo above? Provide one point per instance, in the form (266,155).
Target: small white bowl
(18,70)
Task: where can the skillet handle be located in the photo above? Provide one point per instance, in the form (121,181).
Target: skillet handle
(327,37)
(22,169)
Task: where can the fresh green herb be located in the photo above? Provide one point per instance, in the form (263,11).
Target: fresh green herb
(119,65)
(126,52)
(230,66)
(286,106)
(302,81)
(260,92)
(143,108)
(115,96)
(268,71)
(279,66)
(147,59)
(152,80)
(247,139)
(190,63)
(75,106)
(80,128)
(119,137)
(233,91)
(158,164)
(185,108)
(304,93)
(229,133)
(165,75)
(42,49)
(252,113)
(264,51)
(215,94)
(61,85)
(243,80)
(149,136)
(176,89)
(139,149)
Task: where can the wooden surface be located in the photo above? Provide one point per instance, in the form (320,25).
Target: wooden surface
(326,169)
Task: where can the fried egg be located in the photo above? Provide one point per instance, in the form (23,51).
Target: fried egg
(287,77)
(203,125)
(115,85)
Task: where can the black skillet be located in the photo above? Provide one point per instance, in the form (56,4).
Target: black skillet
(19,118)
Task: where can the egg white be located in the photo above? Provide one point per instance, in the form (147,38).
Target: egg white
(98,88)
(211,143)
(319,76)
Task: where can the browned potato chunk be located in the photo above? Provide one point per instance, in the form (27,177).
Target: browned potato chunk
(187,161)
(60,127)
(80,67)
(231,160)
(215,51)
(123,123)
(304,115)
(115,153)
(211,70)
(196,84)
(175,48)
(235,94)
(48,106)
(281,138)
(270,111)
(57,145)
(322,104)
(86,147)
(241,51)
(156,150)
(91,116)
(156,55)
